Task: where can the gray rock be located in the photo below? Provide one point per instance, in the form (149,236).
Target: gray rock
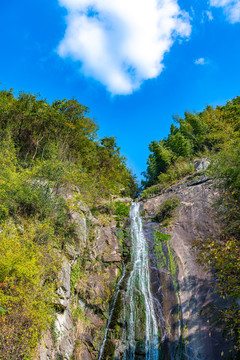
(81,231)
(65,334)
(201,164)
(63,290)
(200,180)
(194,220)
(64,279)
(85,355)
(78,218)
(63,346)
(107,245)
(94,290)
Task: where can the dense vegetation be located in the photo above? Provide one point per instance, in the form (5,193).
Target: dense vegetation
(195,135)
(46,150)
(167,209)
(212,133)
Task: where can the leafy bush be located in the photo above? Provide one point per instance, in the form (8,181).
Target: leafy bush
(223,256)
(222,253)
(152,191)
(27,284)
(121,209)
(167,209)
(196,133)
(161,237)
(76,274)
(177,171)
(225,170)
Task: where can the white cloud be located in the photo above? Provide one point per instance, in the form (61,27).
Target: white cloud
(209,15)
(231,8)
(121,43)
(200,61)
(206,16)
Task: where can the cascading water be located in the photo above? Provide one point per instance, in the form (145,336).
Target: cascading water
(139,282)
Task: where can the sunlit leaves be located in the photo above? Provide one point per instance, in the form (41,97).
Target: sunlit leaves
(27,284)
(208,131)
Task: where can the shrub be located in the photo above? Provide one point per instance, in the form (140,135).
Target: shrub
(175,172)
(23,197)
(167,209)
(27,274)
(77,273)
(152,190)
(225,169)
(161,237)
(221,255)
(121,209)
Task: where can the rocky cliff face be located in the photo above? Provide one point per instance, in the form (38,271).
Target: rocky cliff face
(90,268)
(180,283)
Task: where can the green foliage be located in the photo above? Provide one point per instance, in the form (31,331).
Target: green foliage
(225,170)
(105,211)
(165,254)
(210,130)
(152,191)
(121,209)
(76,274)
(176,171)
(78,314)
(2,311)
(62,141)
(167,210)
(179,144)
(158,236)
(223,255)
(157,162)
(27,285)
(123,235)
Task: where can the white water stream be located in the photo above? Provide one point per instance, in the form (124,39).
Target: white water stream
(138,284)
(139,281)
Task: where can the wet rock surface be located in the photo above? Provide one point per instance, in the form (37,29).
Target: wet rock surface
(166,298)
(195,286)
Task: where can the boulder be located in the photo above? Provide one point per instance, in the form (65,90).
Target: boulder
(202,164)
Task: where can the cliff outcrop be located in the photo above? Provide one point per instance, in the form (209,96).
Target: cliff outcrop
(180,283)
(90,269)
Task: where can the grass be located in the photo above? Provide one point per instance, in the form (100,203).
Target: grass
(164,253)
(167,210)
(175,172)
(161,237)
(152,191)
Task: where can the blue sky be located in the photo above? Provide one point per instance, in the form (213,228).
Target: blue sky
(134,63)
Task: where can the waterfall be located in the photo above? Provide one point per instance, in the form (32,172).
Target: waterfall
(139,282)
